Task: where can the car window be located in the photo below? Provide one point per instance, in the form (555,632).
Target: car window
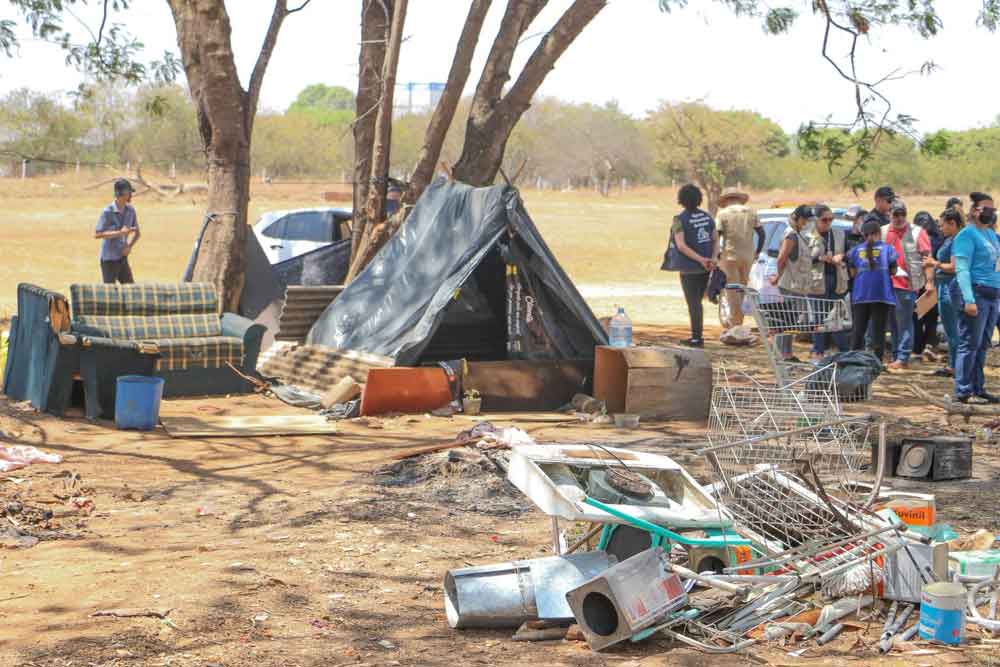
(309,226)
(276,230)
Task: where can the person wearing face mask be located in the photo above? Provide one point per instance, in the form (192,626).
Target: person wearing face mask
(912,245)
(829,246)
(974,293)
(795,275)
(944,274)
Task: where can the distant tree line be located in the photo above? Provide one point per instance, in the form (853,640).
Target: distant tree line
(557,144)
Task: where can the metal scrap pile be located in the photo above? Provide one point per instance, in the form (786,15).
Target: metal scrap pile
(794,541)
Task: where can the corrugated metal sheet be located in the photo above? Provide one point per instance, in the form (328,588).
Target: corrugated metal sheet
(317,367)
(303,306)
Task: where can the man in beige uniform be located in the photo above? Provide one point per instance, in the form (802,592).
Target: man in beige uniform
(739,228)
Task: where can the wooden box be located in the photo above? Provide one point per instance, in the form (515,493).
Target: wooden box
(654,382)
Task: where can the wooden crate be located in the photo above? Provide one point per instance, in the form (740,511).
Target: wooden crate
(654,382)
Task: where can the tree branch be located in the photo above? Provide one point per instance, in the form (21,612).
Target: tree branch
(444,112)
(496,72)
(552,46)
(304,4)
(264,57)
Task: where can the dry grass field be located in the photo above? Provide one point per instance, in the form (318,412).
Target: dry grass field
(611,247)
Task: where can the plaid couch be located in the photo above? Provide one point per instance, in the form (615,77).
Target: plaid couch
(182,322)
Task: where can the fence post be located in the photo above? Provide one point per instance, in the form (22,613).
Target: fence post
(173,170)
(24,169)
(77,167)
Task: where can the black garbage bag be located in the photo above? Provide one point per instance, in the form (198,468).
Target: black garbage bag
(856,370)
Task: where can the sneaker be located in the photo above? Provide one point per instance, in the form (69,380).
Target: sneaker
(898,366)
(792,360)
(943,373)
(971,400)
(962,398)
(693,342)
(988,397)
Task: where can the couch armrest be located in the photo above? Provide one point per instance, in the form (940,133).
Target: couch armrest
(142,347)
(252,334)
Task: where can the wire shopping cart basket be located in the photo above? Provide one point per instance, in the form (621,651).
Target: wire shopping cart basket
(788,315)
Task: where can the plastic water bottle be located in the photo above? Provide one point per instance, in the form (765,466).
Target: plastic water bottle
(620,330)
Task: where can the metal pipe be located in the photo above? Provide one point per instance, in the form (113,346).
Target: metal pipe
(556,546)
(830,634)
(663,532)
(712,582)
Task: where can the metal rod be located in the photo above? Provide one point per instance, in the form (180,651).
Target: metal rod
(597,527)
(798,431)
(830,634)
(663,532)
(556,541)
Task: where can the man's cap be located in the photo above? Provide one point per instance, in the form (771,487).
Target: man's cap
(871,227)
(953,201)
(923,219)
(885,192)
(122,186)
(734,193)
(898,205)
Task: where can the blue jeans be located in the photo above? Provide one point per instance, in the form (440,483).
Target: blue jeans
(949,320)
(973,339)
(821,341)
(901,325)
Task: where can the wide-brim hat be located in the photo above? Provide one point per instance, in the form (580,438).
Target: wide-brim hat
(734,193)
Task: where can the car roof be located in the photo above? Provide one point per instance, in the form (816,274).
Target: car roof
(340,212)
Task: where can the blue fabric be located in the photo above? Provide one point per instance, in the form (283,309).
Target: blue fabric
(113,220)
(821,341)
(943,255)
(949,319)
(976,252)
(973,339)
(901,325)
(872,285)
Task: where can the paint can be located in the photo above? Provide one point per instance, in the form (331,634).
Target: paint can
(942,612)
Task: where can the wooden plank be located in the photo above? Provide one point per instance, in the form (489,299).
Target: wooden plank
(528,385)
(214,426)
(406,390)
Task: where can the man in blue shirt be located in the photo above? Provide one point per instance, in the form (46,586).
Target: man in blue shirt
(974,292)
(117,223)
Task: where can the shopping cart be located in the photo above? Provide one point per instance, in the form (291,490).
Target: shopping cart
(788,315)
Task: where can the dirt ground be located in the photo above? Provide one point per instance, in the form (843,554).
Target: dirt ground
(301,551)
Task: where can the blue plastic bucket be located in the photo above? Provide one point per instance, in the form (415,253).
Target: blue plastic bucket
(137,402)
(942,612)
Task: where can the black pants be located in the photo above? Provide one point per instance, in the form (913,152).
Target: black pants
(694,286)
(117,270)
(878,315)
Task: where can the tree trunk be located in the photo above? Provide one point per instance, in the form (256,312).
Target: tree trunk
(225,115)
(364,248)
(376,20)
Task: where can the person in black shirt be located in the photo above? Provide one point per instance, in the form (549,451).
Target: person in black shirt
(884,197)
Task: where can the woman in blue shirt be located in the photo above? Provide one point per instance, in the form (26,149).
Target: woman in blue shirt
(872,264)
(974,293)
(944,274)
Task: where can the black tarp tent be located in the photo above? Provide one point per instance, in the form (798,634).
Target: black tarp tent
(467,276)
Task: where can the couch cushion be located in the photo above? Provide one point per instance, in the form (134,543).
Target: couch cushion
(138,327)
(210,352)
(143,299)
